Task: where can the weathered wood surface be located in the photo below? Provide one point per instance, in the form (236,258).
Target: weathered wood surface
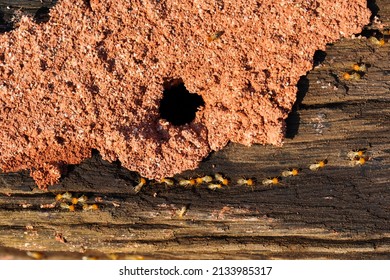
(339,212)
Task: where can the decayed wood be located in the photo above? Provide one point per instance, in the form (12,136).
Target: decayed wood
(341,211)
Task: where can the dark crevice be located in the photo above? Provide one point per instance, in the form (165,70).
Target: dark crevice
(293,119)
(371,31)
(292,122)
(319,57)
(371,4)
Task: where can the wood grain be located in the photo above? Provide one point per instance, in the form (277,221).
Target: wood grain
(338,212)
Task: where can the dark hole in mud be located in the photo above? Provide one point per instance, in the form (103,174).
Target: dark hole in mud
(178,105)
(60,140)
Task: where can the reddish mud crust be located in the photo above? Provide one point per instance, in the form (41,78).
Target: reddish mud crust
(93,77)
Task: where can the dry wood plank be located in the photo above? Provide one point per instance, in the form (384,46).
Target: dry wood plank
(341,211)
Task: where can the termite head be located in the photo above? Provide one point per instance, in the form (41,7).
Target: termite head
(75,200)
(142,181)
(295,171)
(199,180)
(322,163)
(346,76)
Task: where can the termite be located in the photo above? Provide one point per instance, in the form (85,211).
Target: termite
(359,161)
(246,182)
(359,67)
(64,196)
(375,41)
(187,183)
(71,207)
(35,255)
(87,207)
(351,76)
(215,36)
(204,179)
(167,181)
(214,186)
(271,181)
(318,165)
(142,182)
(291,172)
(356,153)
(181,212)
(82,199)
(219,177)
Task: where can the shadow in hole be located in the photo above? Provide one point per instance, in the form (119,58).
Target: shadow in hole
(292,122)
(178,105)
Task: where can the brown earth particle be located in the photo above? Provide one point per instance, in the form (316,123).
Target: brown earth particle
(93,76)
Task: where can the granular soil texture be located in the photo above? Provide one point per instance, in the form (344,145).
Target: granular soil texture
(156,85)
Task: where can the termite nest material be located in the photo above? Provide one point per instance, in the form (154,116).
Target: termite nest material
(156,97)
